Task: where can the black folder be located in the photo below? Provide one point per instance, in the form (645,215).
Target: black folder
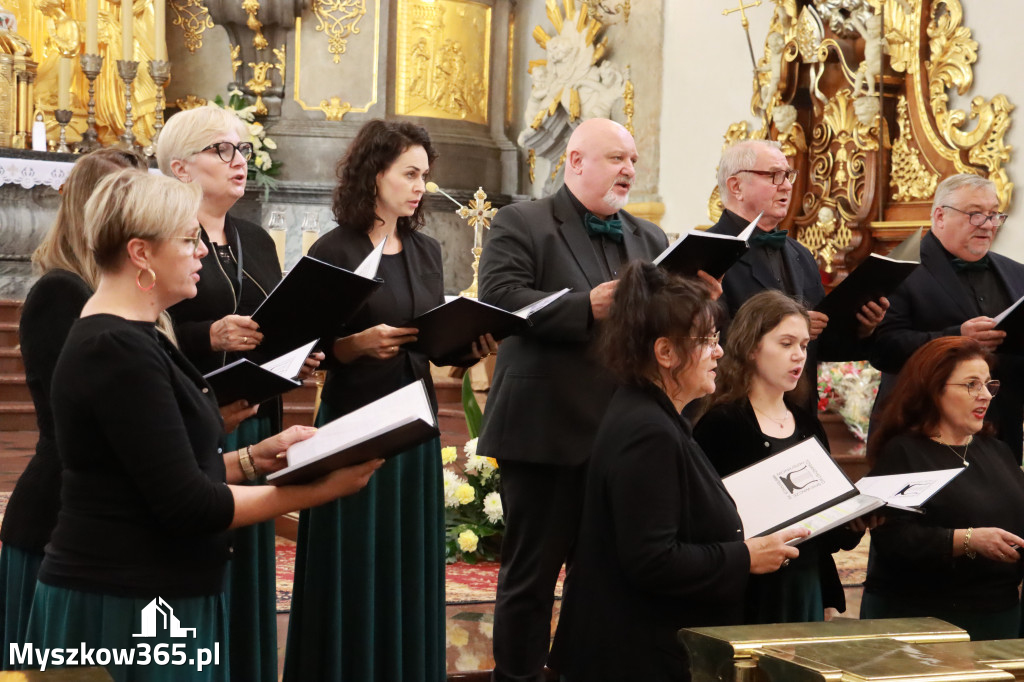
(713,253)
(245,380)
(877,276)
(384,428)
(310,302)
(1011,321)
(449,330)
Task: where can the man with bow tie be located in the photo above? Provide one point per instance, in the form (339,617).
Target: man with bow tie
(548,393)
(958,289)
(753,177)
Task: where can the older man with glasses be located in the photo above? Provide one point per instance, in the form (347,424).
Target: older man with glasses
(958,290)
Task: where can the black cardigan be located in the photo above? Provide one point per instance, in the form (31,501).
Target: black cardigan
(144,508)
(912,555)
(732,438)
(51,307)
(660,548)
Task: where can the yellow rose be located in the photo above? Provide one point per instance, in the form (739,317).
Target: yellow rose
(465,493)
(448,454)
(468,541)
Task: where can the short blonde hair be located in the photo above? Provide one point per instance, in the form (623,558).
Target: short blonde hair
(189,131)
(133,204)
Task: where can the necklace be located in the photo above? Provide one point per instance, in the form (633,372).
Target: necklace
(970,439)
(780,422)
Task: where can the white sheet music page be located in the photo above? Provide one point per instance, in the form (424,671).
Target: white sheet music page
(368,268)
(907,491)
(289,365)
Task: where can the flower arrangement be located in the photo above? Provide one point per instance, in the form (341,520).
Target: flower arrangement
(262,168)
(849,389)
(473,516)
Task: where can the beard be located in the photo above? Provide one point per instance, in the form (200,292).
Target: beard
(613,199)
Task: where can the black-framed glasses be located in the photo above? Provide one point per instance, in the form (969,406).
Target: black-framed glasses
(978,219)
(711,340)
(974,387)
(777,176)
(194,239)
(226,150)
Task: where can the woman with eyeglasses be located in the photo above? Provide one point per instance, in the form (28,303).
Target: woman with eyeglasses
(68,276)
(209,146)
(959,561)
(756,413)
(660,545)
(147,495)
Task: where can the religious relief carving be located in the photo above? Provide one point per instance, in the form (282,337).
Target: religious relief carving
(338,19)
(193,18)
(608,12)
(910,179)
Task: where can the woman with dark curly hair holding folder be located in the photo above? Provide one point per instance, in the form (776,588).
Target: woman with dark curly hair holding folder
(369,573)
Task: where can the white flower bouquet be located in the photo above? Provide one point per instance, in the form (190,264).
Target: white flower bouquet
(473,514)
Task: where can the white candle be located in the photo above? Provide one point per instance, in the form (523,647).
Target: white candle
(127,31)
(64,83)
(92,21)
(160,24)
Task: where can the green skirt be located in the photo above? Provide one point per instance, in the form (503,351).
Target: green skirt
(18,571)
(368,602)
(250,584)
(980,625)
(102,629)
(789,595)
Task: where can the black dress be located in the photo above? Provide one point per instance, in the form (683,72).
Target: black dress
(51,307)
(660,548)
(732,438)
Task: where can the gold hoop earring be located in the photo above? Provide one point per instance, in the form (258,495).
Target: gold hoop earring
(138,279)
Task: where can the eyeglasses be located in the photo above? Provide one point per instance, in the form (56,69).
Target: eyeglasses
(979,219)
(226,150)
(710,341)
(974,387)
(777,176)
(194,239)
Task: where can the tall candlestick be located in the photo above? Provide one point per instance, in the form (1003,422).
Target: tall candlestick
(64,83)
(92,22)
(160,25)
(127,31)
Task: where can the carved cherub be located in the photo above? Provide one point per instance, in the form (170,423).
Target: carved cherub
(775,43)
(874,44)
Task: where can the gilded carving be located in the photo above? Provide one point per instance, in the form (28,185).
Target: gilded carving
(334,109)
(338,19)
(190,102)
(443,59)
(826,237)
(252,8)
(628,107)
(259,83)
(194,19)
(910,178)
(531,161)
(236,60)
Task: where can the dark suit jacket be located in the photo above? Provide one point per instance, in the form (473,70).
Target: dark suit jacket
(548,394)
(660,548)
(932,303)
(354,384)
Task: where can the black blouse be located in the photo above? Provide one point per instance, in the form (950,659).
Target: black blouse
(912,555)
(51,307)
(144,508)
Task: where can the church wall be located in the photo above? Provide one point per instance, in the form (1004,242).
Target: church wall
(708,75)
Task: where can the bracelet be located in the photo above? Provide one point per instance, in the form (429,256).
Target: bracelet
(248,465)
(971,554)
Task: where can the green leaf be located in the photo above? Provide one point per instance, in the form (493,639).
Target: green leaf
(472,409)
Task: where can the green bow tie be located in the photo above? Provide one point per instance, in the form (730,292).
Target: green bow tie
(775,239)
(971,266)
(611,228)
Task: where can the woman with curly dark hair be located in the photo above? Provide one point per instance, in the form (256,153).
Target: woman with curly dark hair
(369,576)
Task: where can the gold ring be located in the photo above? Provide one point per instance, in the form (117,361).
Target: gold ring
(785,563)
(245,339)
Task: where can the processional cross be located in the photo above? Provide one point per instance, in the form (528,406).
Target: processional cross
(746,25)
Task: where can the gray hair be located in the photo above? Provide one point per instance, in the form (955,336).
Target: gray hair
(955,183)
(187,132)
(739,156)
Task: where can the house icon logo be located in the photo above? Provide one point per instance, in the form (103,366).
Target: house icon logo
(159,614)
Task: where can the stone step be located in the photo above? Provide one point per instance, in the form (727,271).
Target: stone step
(13,389)
(11,362)
(10,311)
(17,416)
(9,335)
(448,390)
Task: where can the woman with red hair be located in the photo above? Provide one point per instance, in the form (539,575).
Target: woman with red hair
(960,560)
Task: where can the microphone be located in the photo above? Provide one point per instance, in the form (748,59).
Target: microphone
(434,189)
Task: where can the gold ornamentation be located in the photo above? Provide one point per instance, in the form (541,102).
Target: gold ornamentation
(334,109)
(443,59)
(628,106)
(826,237)
(252,8)
(531,160)
(558,166)
(338,19)
(236,60)
(279,55)
(478,214)
(259,83)
(910,179)
(900,29)
(194,19)
(190,102)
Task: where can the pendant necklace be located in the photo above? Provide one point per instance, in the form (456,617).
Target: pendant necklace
(939,440)
(780,422)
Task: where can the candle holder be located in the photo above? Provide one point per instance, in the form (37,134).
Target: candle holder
(127,70)
(91,65)
(160,71)
(63,118)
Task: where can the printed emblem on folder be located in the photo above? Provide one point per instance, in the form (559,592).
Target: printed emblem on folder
(798,479)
